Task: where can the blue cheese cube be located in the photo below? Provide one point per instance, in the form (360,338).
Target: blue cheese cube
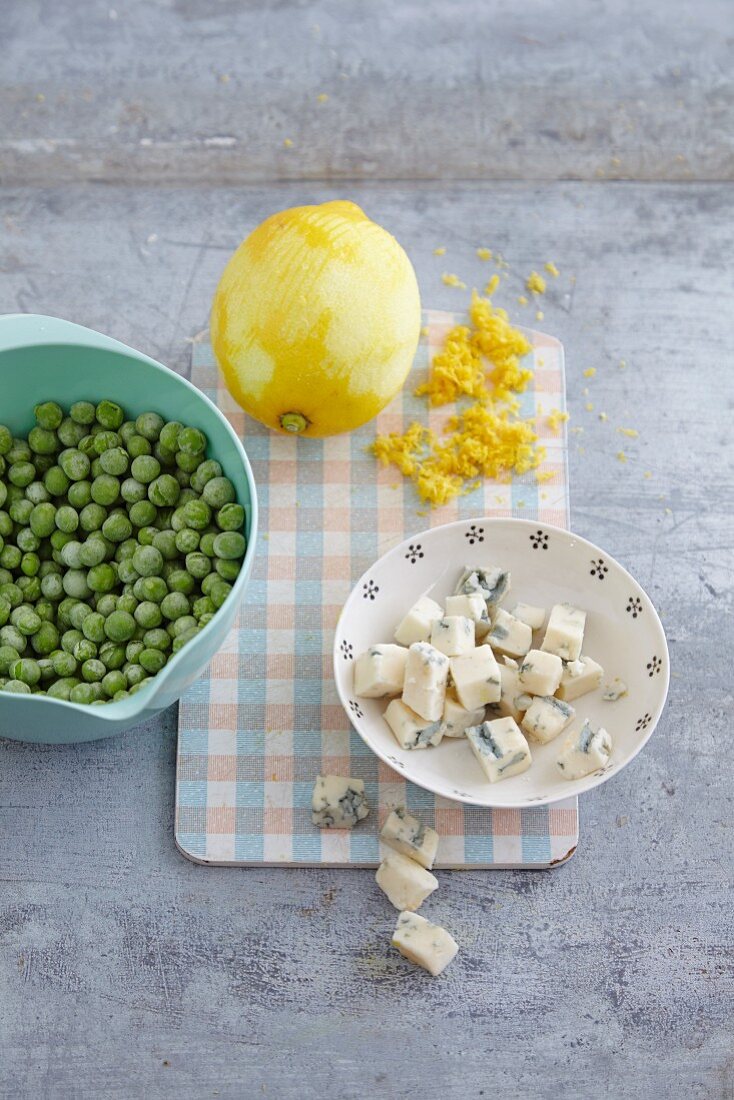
(426,675)
(492,583)
(338,802)
(408,835)
(533,616)
(513,700)
(540,673)
(453,635)
(500,748)
(416,626)
(456,717)
(476,678)
(380,671)
(564,634)
(405,882)
(473,607)
(509,635)
(546,717)
(410,730)
(585,752)
(614,690)
(579,677)
(425,944)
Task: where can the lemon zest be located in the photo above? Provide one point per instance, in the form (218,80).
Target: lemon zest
(535,283)
(551,268)
(484,253)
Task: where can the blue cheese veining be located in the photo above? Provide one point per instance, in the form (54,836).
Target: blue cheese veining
(585,752)
(407,834)
(500,748)
(426,676)
(425,944)
(338,802)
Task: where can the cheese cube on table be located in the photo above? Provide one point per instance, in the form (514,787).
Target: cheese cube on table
(456,717)
(564,634)
(533,616)
(546,717)
(500,748)
(585,752)
(338,802)
(408,835)
(614,690)
(476,678)
(416,626)
(405,882)
(474,607)
(509,635)
(492,583)
(426,675)
(579,677)
(540,673)
(425,944)
(380,671)
(410,730)
(453,635)
(512,696)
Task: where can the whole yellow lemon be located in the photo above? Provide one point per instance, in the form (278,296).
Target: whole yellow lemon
(316,320)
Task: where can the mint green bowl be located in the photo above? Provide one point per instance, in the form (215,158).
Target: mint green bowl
(45,358)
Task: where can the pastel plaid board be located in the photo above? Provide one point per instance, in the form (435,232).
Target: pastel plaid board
(264,719)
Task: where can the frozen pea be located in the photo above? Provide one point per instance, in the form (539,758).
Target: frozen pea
(70,434)
(181,640)
(74,464)
(133,491)
(138,445)
(30,563)
(198,514)
(8,655)
(93,552)
(109,414)
(75,584)
(119,626)
(114,461)
(113,682)
(198,564)
(229,545)
(231,517)
(83,412)
(93,627)
(187,540)
(126,549)
(146,535)
(142,513)
(92,516)
(180,580)
(6,439)
(10,557)
(219,593)
(42,520)
(106,603)
(48,415)
(70,639)
(93,670)
(204,473)
(149,614)
(164,491)
(66,519)
(25,619)
(85,650)
(64,664)
(191,441)
(5,609)
(203,606)
(117,527)
(11,636)
(148,561)
(27,540)
(157,638)
(179,626)
(82,693)
(46,639)
(80,494)
(16,687)
(126,571)
(105,490)
(42,441)
(104,441)
(150,588)
(187,462)
(174,605)
(112,655)
(133,650)
(166,458)
(27,670)
(152,660)
(228,570)
(52,586)
(101,578)
(31,589)
(165,543)
(150,425)
(145,469)
(135,673)
(61,689)
(169,435)
(21,474)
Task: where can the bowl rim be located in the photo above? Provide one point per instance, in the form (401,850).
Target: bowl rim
(42,330)
(579,786)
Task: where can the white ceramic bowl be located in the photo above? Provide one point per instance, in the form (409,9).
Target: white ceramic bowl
(548,565)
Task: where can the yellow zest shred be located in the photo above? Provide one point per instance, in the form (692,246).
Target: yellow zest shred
(589,407)
(522,300)
(287,143)
(621,456)
(542,476)
(622,364)
(589,372)
(492,285)
(484,253)
(322,97)
(539,315)
(551,268)
(535,283)
(452,280)
(440,251)
(424,330)
(555,419)
(631,432)
(603,416)
(647,474)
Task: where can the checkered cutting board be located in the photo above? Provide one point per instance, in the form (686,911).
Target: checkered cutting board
(264,719)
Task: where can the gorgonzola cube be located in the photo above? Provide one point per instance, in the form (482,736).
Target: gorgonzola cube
(540,673)
(425,944)
(474,607)
(533,616)
(453,634)
(500,748)
(614,690)
(338,802)
(578,677)
(405,882)
(416,626)
(585,752)
(512,697)
(407,834)
(564,634)
(546,717)
(410,730)
(492,583)
(456,717)
(509,635)
(380,671)
(476,678)
(426,674)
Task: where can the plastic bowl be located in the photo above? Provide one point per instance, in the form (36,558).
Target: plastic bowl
(46,358)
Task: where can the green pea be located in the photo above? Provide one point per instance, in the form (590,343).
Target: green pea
(126,431)
(109,415)
(93,670)
(138,445)
(74,464)
(187,540)
(229,545)
(30,563)
(112,655)
(27,670)
(21,474)
(105,441)
(218,492)
(133,491)
(85,650)
(182,639)
(149,614)
(165,543)
(119,626)
(43,520)
(64,664)
(102,578)
(48,415)
(25,619)
(16,687)
(126,571)
(92,516)
(31,589)
(169,435)
(75,584)
(179,626)
(164,491)
(152,660)
(228,570)
(145,469)
(148,561)
(66,518)
(203,606)
(6,440)
(179,580)
(117,527)
(150,588)
(231,517)
(219,593)
(8,656)
(70,434)
(114,682)
(5,608)
(142,513)
(204,473)
(62,688)
(83,412)
(174,605)
(10,635)
(198,564)
(42,441)
(133,651)
(10,557)
(114,461)
(46,639)
(93,628)
(150,425)
(157,638)
(83,693)
(135,674)
(206,543)
(127,602)
(187,462)
(105,490)
(80,494)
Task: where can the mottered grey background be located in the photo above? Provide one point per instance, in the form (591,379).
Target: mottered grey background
(139,142)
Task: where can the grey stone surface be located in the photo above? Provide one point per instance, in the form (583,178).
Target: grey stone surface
(209,90)
(127,971)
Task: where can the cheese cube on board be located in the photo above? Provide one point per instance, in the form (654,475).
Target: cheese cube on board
(456,717)
(512,696)
(533,616)
(405,882)
(338,802)
(380,671)
(408,835)
(426,675)
(453,635)
(474,607)
(476,678)
(564,634)
(614,690)
(585,752)
(509,635)
(500,748)
(416,625)
(579,677)
(410,730)
(492,583)
(546,717)
(540,673)
(425,944)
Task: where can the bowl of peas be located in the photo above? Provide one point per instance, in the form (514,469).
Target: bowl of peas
(128,520)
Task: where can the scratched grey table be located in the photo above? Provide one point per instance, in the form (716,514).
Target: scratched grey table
(127,971)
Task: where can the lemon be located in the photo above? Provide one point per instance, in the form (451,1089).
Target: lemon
(316,320)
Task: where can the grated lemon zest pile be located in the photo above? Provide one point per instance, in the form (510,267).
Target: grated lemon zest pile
(452,280)
(484,253)
(535,283)
(551,268)
(589,372)
(492,285)
(631,432)
(555,419)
